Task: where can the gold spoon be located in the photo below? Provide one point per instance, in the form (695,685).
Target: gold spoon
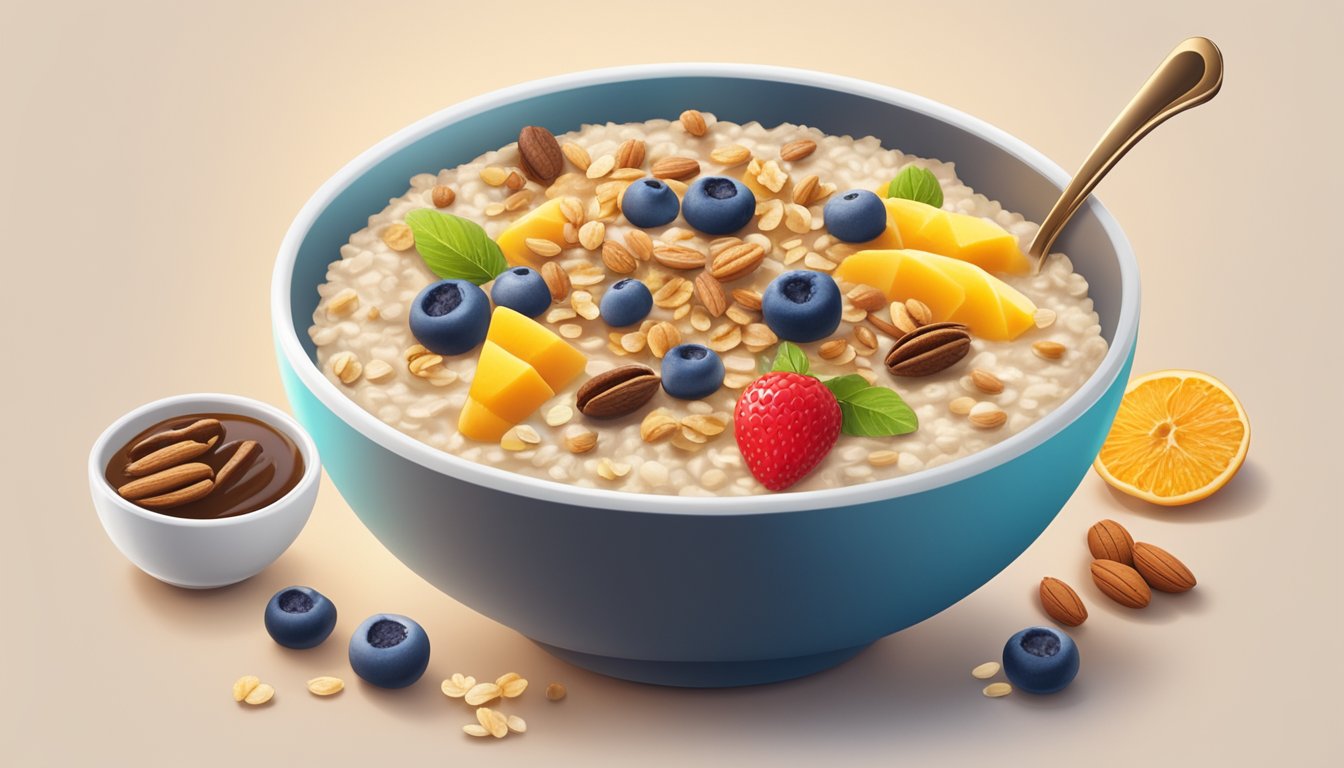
(1190,75)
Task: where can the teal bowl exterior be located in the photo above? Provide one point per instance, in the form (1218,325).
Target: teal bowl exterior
(690,591)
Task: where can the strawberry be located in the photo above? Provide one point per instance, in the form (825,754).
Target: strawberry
(785,425)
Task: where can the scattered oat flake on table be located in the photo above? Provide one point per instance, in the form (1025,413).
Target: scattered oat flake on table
(995,690)
(482,692)
(475,729)
(326,686)
(494,722)
(244,685)
(457,686)
(986,670)
(260,695)
(511,685)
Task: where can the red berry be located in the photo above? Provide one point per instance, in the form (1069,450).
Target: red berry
(785,425)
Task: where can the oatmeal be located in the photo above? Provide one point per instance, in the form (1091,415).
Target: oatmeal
(974,347)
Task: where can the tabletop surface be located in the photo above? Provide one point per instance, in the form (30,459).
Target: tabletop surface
(154,154)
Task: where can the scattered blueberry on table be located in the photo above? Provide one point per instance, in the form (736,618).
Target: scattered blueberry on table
(802,305)
(450,317)
(691,371)
(857,216)
(626,302)
(523,290)
(649,202)
(718,205)
(300,617)
(389,651)
(1040,660)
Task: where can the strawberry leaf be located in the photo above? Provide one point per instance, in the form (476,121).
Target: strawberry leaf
(844,386)
(791,358)
(876,412)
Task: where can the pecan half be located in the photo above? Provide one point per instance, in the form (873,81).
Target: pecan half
(206,431)
(928,349)
(618,392)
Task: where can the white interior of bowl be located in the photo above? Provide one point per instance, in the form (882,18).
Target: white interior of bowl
(392,440)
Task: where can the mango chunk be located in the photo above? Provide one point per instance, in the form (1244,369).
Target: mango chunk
(510,388)
(535,344)
(954,290)
(889,240)
(948,233)
(545,222)
(478,422)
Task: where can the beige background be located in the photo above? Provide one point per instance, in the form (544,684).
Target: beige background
(155,153)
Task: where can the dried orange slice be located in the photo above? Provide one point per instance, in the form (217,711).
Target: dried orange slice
(1178,437)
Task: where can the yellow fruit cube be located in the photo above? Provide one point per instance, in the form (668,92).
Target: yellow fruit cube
(981,311)
(480,423)
(917,278)
(545,222)
(954,290)
(876,268)
(948,233)
(535,344)
(889,240)
(510,388)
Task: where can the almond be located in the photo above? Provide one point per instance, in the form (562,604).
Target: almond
(679,168)
(1108,540)
(443,196)
(1061,603)
(1161,569)
(867,298)
(678,257)
(557,280)
(805,190)
(1121,583)
(710,293)
(630,154)
(737,261)
(986,382)
(617,259)
(542,158)
(694,122)
(797,150)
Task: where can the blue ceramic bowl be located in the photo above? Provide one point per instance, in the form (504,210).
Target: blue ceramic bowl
(691,591)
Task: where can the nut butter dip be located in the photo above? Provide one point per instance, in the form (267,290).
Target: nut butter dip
(206,466)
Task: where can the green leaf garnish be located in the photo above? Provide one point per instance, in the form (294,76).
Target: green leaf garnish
(454,247)
(844,386)
(917,184)
(875,412)
(791,358)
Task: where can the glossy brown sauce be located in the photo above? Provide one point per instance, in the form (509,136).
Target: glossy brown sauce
(264,479)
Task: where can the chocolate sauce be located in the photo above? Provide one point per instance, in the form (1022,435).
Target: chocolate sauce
(259,476)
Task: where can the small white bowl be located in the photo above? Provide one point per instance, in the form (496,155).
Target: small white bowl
(202,554)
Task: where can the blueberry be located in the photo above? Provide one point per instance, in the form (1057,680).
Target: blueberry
(450,317)
(691,371)
(389,651)
(1040,660)
(300,617)
(857,216)
(718,205)
(523,290)
(802,306)
(626,302)
(649,202)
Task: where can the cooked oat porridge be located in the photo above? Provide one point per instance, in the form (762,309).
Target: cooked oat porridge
(935,318)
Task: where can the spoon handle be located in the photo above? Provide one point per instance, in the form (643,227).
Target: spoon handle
(1190,75)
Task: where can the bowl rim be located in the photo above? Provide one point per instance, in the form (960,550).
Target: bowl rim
(406,447)
(185,404)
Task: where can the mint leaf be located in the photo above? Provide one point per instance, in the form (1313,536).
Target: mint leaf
(917,184)
(791,358)
(454,247)
(876,412)
(844,386)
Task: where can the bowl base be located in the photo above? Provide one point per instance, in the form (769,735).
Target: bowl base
(705,674)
